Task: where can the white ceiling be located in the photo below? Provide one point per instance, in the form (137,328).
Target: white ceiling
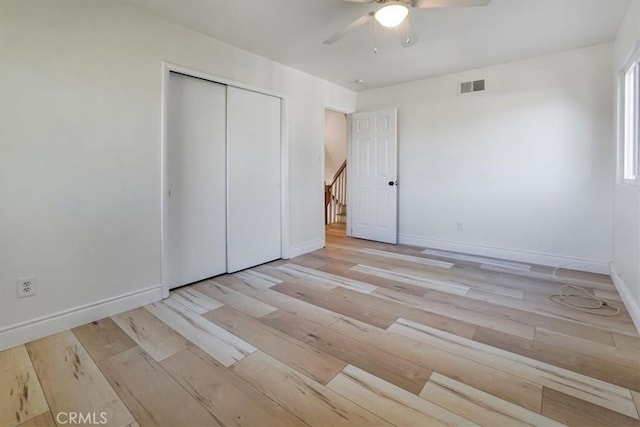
(450,40)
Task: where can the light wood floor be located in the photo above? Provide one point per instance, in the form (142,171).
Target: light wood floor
(359,334)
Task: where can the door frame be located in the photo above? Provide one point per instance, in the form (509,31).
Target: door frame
(348,113)
(167,68)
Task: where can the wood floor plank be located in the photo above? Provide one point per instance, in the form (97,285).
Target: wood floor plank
(538,279)
(257,273)
(387,366)
(233,401)
(490,307)
(151,394)
(526,317)
(607,295)
(315,260)
(103,338)
(470,316)
(337,304)
(228,279)
(515,284)
(151,334)
(552,310)
(390,402)
(259,282)
(397,309)
(310,401)
(620,322)
(480,260)
(72,382)
(626,341)
(347,256)
(485,284)
(572,411)
(411,279)
(299,308)
(609,354)
(232,298)
(591,389)
(313,363)
(491,379)
(407,258)
(195,300)
(571,277)
(220,344)
(329,278)
(285,275)
(21,396)
(361,252)
(42,420)
(582,278)
(481,407)
(346,271)
(605,370)
(341,262)
(342,269)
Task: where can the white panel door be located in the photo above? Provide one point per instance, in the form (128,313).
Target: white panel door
(254,178)
(194,235)
(373,174)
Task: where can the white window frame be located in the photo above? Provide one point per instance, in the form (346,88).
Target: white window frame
(629,120)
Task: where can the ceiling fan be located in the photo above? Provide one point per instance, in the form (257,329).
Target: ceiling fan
(394,14)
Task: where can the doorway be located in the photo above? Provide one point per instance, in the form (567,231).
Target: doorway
(336,135)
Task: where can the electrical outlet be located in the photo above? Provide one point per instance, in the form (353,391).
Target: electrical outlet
(460,225)
(26,286)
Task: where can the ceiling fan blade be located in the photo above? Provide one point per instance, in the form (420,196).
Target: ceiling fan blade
(360,1)
(355,24)
(449,3)
(405,32)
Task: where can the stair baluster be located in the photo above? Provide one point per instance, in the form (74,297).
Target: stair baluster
(335,198)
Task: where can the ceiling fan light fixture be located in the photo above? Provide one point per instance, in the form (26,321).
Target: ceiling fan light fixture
(391,15)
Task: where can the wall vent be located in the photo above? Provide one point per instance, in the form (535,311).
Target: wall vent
(473,86)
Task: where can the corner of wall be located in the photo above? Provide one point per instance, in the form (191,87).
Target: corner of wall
(632,306)
(305,248)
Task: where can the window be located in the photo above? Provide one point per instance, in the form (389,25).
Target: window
(631,122)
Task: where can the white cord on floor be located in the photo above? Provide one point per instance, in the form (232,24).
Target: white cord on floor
(583,301)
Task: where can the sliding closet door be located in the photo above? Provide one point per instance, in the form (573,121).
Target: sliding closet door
(195,198)
(253,159)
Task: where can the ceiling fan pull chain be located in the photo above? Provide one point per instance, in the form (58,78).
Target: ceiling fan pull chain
(375,36)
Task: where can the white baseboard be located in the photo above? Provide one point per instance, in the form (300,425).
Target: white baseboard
(305,248)
(633,306)
(591,266)
(25,332)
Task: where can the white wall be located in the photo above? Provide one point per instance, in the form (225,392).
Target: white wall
(335,143)
(526,165)
(80,153)
(626,224)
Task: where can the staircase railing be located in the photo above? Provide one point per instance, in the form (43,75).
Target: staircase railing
(335,196)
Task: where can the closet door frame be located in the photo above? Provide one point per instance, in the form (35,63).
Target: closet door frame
(167,68)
